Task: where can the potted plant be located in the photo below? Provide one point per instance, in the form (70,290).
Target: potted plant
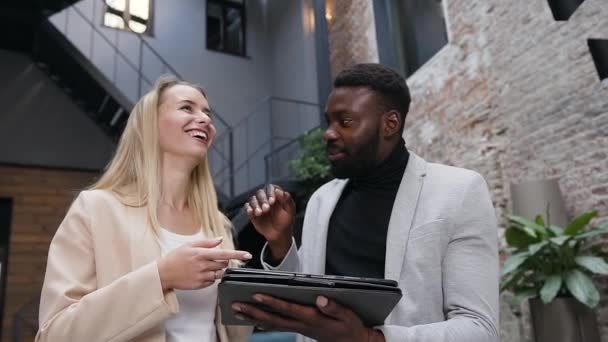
(311,167)
(553,266)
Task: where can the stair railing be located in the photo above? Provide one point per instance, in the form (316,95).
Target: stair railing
(133,72)
(277,161)
(275,121)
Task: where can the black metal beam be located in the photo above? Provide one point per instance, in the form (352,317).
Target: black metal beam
(324,82)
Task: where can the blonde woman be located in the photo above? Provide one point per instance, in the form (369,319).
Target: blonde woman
(138,256)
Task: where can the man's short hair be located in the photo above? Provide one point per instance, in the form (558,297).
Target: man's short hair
(381,79)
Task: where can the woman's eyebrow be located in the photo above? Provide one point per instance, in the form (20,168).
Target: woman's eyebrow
(205,108)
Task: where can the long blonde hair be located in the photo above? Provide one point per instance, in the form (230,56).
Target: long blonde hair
(134,172)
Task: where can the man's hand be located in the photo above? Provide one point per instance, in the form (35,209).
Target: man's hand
(272,212)
(328,321)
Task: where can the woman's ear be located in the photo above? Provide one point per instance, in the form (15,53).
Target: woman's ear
(391,123)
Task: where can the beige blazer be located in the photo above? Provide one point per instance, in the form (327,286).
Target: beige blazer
(102,281)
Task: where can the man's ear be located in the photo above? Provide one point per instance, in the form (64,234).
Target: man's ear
(391,123)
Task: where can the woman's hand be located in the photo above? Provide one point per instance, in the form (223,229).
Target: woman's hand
(196,265)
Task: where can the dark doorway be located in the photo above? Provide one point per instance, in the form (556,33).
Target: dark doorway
(6,205)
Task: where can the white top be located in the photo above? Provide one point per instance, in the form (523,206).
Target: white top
(195,320)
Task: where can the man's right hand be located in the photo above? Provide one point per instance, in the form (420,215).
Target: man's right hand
(272,212)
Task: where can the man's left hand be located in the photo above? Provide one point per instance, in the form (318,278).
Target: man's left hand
(328,321)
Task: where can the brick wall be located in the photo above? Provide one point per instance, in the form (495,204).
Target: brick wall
(515,96)
(41,198)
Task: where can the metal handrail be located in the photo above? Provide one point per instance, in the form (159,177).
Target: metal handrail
(143,42)
(223,155)
(118,52)
(267,99)
(250,160)
(287,144)
(277,150)
(241,165)
(173,71)
(285,99)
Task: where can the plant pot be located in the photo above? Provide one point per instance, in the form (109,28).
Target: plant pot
(563,320)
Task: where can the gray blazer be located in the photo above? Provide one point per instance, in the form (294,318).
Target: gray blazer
(442,248)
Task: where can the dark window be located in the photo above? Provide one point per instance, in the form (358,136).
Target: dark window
(226,26)
(563,9)
(419,31)
(129,15)
(599,52)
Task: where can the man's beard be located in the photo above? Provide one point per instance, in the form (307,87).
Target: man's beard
(358,163)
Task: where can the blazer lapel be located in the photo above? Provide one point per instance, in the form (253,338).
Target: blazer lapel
(402,216)
(325,209)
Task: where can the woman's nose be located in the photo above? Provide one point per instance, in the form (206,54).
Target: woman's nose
(204,119)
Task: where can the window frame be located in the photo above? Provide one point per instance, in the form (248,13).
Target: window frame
(403,51)
(126,17)
(224,5)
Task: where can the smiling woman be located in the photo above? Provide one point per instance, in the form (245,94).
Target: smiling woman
(141,242)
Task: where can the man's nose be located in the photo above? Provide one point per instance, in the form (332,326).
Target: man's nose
(330,134)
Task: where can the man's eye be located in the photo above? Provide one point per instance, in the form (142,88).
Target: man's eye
(346,122)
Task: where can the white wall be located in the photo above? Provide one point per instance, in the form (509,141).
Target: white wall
(291,30)
(40,125)
(294,76)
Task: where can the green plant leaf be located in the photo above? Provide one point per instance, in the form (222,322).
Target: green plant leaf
(560,239)
(533,249)
(529,231)
(557,230)
(551,288)
(579,223)
(311,166)
(518,238)
(514,261)
(524,222)
(539,220)
(593,264)
(581,287)
(510,282)
(591,233)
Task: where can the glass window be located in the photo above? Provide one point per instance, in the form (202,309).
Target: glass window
(226,26)
(128,15)
(419,31)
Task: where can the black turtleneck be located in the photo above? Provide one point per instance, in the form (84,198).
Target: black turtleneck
(356,240)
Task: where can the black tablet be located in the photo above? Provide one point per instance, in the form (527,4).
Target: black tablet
(372,299)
